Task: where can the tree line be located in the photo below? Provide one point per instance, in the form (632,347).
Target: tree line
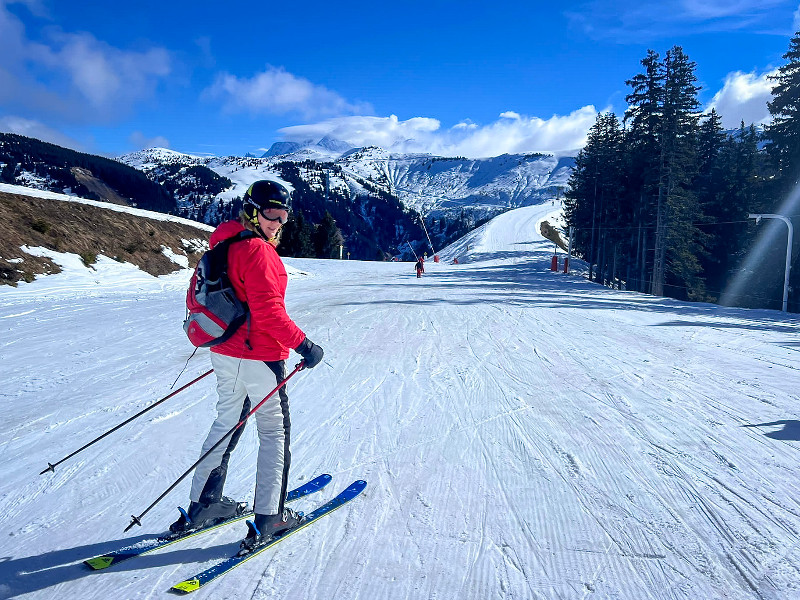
(22,156)
(660,201)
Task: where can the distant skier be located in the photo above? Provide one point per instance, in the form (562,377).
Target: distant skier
(420,267)
(247,366)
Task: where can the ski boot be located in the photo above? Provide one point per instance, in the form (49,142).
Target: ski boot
(202,515)
(265,527)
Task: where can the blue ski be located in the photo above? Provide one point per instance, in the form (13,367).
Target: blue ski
(219,569)
(160,541)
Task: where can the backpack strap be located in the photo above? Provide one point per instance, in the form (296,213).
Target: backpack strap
(245,234)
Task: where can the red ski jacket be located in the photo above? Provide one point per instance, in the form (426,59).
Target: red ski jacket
(259,279)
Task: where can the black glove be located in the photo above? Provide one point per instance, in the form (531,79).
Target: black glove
(311,353)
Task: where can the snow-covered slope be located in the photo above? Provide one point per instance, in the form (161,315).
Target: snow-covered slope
(433,184)
(524,433)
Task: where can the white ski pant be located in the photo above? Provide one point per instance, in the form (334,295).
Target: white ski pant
(242,384)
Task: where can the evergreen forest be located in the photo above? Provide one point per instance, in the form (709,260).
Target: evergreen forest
(660,201)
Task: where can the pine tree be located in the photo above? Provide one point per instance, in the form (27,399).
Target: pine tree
(783,133)
(296,237)
(676,209)
(710,186)
(662,118)
(642,161)
(783,141)
(327,238)
(590,203)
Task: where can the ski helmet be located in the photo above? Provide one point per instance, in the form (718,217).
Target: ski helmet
(265,194)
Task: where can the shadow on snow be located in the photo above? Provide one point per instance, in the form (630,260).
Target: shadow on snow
(789,433)
(33,573)
(530,283)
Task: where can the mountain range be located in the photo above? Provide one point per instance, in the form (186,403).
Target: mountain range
(378,198)
(434,186)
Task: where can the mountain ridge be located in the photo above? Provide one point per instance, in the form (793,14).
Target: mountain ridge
(434,185)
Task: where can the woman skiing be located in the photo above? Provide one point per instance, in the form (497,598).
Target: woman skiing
(247,367)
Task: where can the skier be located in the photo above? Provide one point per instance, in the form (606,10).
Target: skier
(420,267)
(247,366)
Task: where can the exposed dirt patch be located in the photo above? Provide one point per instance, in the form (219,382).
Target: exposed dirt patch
(93,184)
(87,231)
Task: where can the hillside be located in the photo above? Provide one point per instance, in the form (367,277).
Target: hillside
(32,163)
(47,222)
(375,197)
(374,223)
(432,185)
(442,186)
(525,435)
(373,192)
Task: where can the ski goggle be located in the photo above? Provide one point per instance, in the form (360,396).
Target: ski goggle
(275,215)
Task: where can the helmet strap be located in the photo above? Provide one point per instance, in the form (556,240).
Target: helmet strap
(251,212)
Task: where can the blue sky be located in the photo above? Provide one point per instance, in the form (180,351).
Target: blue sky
(451,78)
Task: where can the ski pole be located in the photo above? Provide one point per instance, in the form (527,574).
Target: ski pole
(138,520)
(52,466)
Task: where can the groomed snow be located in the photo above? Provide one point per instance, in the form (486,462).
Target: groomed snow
(524,433)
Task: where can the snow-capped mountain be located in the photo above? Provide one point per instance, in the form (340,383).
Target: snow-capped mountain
(432,185)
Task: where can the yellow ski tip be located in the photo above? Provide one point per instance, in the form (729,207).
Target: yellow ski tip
(187,586)
(99,562)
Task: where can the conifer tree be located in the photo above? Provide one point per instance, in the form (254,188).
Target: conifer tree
(593,189)
(642,128)
(327,238)
(676,210)
(709,185)
(783,133)
(296,237)
(662,117)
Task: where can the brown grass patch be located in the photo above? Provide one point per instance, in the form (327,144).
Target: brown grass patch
(87,231)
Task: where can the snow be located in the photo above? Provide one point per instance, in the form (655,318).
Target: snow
(524,433)
(427,183)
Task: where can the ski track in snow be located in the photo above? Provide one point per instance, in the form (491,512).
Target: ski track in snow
(525,434)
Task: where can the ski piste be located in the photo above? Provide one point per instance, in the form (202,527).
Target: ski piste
(154,543)
(219,569)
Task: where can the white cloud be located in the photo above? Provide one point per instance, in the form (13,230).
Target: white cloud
(465,125)
(643,20)
(743,97)
(276,91)
(421,134)
(720,9)
(140,141)
(73,75)
(105,76)
(364,130)
(38,130)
